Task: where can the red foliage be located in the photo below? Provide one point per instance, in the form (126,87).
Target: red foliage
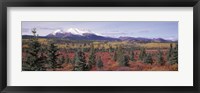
(111,65)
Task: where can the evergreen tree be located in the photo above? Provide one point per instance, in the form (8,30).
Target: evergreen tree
(84,49)
(160,57)
(110,49)
(170,51)
(53,56)
(148,59)
(80,62)
(35,59)
(92,56)
(115,56)
(120,55)
(132,56)
(174,57)
(62,60)
(99,64)
(73,60)
(43,57)
(67,59)
(142,54)
(120,58)
(124,60)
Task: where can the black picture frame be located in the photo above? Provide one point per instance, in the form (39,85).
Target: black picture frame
(99,3)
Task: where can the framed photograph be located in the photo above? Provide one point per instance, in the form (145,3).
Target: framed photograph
(134,46)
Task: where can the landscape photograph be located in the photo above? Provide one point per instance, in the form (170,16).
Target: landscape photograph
(99,45)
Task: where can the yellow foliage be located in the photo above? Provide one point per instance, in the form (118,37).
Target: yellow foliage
(174,67)
(25,46)
(156,45)
(43,41)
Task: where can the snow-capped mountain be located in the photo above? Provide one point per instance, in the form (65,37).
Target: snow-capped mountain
(73,31)
(85,34)
(58,31)
(78,34)
(77,31)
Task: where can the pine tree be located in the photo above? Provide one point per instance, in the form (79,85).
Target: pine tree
(174,57)
(148,59)
(99,64)
(53,56)
(160,57)
(80,62)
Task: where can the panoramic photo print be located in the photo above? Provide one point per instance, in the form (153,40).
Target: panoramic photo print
(99,45)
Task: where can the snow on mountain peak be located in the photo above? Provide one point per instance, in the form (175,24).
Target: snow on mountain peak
(74,31)
(77,31)
(57,31)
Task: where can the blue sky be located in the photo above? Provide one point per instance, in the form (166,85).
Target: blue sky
(148,29)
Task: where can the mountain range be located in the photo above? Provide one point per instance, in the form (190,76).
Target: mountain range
(85,34)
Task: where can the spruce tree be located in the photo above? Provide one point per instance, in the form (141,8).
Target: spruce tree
(148,59)
(110,49)
(80,62)
(170,51)
(43,57)
(67,59)
(174,57)
(115,56)
(132,56)
(126,60)
(62,60)
(160,57)
(142,54)
(53,56)
(35,59)
(92,56)
(123,60)
(120,56)
(73,60)
(99,64)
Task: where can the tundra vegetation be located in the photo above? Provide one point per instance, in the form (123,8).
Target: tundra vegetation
(54,54)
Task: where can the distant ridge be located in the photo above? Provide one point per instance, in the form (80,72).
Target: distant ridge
(84,34)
